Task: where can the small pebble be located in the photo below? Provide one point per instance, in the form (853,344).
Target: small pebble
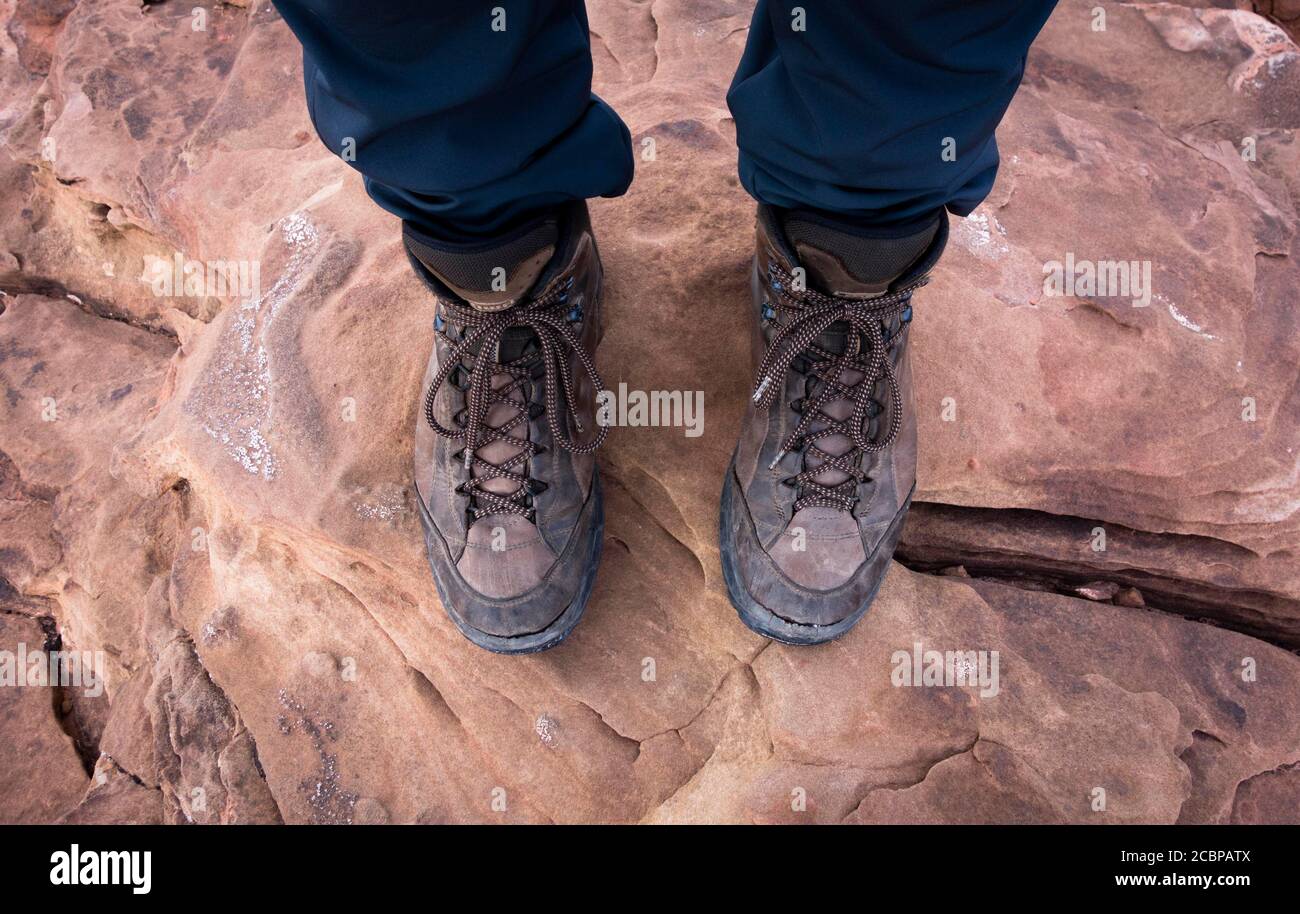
(1101,591)
(1130,596)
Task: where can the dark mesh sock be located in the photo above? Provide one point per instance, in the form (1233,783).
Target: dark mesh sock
(469,264)
(467,233)
(870,253)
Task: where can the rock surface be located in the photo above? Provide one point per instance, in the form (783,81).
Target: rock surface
(212,489)
(41,775)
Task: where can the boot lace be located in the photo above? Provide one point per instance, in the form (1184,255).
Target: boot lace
(807,315)
(550,319)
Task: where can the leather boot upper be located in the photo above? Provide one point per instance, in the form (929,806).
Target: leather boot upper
(504,440)
(827,457)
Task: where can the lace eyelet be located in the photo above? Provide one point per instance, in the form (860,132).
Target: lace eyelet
(525,371)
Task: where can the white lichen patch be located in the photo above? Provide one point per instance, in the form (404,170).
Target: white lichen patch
(1227,33)
(1257,72)
(1271,49)
(233,402)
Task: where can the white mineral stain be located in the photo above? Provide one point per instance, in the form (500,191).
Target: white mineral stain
(386,507)
(235,403)
(1185,321)
(545,729)
(982,235)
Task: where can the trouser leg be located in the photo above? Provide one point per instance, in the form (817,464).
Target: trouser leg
(463,122)
(880,111)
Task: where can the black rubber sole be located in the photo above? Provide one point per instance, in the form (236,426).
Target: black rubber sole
(559,629)
(757,617)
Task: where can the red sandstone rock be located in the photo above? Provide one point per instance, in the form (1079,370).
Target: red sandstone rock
(205,506)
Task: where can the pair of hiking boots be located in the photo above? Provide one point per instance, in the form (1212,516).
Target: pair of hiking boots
(821,479)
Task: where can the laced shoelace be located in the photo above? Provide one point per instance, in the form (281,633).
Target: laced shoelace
(549,318)
(810,315)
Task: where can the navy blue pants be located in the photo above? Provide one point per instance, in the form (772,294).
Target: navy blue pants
(878,111)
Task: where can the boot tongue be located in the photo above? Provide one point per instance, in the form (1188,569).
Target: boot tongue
(840,262)
(843,261)
(494,275)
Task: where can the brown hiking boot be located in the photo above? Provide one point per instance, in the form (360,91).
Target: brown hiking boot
(823,475)
(508,490)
